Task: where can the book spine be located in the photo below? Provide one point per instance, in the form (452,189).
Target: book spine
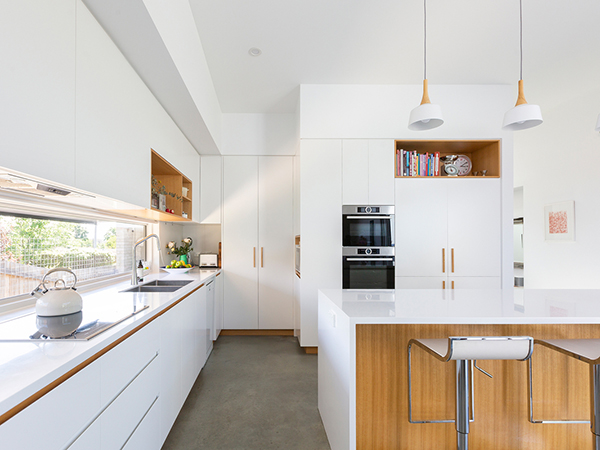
(436,171)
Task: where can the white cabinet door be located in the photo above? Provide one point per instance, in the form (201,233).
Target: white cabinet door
(240,241)
(421,227)
(88,440)
(210,189)
(276,240)
(474,227)
(355,172)
(146,436)
(475,282)
(192,358)
(381,172)
(421,282)
(218,326)
(209,320)
(170,373)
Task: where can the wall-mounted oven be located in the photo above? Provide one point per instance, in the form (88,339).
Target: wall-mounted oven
(367,226)
(368,268)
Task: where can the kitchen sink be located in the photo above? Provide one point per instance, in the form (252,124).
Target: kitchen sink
(167,283)
(145,288)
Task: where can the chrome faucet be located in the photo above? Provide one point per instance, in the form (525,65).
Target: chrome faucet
(134,277)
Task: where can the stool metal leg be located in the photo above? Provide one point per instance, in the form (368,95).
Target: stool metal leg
(462,403)
(595,395)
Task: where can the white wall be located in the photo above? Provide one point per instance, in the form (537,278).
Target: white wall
(259,134)
(554,162)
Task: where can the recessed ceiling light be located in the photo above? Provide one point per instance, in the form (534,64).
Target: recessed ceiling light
(255,51)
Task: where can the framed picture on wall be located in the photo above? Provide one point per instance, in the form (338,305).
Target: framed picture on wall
(559,221)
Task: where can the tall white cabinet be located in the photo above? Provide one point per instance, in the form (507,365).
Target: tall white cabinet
(258,242)
(448,233)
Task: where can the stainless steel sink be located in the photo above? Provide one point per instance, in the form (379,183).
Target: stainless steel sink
(167,283)
(144,288)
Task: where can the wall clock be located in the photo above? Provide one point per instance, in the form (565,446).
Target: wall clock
(464,165)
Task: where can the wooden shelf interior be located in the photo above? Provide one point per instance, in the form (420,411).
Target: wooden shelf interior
(484,154)
(173,181)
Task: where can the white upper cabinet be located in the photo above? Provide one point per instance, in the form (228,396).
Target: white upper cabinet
(368,172)
(381,172)
(355,172)
(210,189)
(37,92)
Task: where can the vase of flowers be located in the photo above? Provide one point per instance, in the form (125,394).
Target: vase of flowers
(183,250)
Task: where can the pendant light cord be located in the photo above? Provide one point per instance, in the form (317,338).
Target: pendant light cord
(521,36)
(424,39)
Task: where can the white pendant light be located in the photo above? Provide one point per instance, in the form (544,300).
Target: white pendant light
(427,115)
(523,115)
(598,123)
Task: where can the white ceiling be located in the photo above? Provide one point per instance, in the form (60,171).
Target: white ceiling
(381,42)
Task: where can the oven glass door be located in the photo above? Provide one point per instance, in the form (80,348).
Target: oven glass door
(361,272)
(368,231)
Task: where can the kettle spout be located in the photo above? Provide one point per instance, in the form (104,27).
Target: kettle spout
(38,292)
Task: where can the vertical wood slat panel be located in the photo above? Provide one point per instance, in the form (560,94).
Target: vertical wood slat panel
(561,391)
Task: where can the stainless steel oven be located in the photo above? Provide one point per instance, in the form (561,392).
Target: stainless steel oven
(368,268)
(367,226)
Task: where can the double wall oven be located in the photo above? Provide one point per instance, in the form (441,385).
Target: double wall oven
(368,251)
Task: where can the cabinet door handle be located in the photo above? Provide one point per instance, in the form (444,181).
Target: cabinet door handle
(443,260)
(452,256)
(253,256)
(452,284)
(443,285)
(261,257)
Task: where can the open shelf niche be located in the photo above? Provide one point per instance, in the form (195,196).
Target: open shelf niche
(484,154)
(174,182)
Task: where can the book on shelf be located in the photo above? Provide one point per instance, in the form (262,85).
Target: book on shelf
(409,163)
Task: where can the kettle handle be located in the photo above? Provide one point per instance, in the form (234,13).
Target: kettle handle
(59,269)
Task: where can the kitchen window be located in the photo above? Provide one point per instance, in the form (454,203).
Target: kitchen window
(93,249)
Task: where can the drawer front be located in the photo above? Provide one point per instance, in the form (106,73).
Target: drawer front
(146,435)
(122,417)
(89,439)
(122,363)
(57,418)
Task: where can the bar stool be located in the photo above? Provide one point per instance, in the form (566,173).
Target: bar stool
(466,351)
(588,351)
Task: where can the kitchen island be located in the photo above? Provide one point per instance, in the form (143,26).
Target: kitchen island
(363,369)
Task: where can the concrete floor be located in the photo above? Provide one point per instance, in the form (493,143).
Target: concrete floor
(255,392)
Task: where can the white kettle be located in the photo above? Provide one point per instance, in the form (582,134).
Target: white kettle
(57,300)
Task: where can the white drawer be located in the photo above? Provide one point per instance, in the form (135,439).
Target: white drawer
(122,363)
(121,418)
(89,439)
(57,418)
(146,435)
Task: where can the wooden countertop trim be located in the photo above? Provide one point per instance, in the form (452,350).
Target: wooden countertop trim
(60,380)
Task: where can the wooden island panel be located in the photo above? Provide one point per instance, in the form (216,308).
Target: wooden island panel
(560,387)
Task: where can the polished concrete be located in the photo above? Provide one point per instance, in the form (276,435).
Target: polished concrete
(255,392)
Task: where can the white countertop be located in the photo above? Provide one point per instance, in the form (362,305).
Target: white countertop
(27,367)
(467,306)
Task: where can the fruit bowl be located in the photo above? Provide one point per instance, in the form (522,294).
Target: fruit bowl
(178,270)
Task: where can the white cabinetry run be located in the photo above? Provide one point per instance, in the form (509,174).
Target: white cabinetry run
(129,397)
(368,171)
(210,189)
(448,233)
(258,242)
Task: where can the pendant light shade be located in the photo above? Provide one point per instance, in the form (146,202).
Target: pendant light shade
(427,115)
(598,123)
(523,115)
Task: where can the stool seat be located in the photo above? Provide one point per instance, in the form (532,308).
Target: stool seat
(586,350)
(478,347)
